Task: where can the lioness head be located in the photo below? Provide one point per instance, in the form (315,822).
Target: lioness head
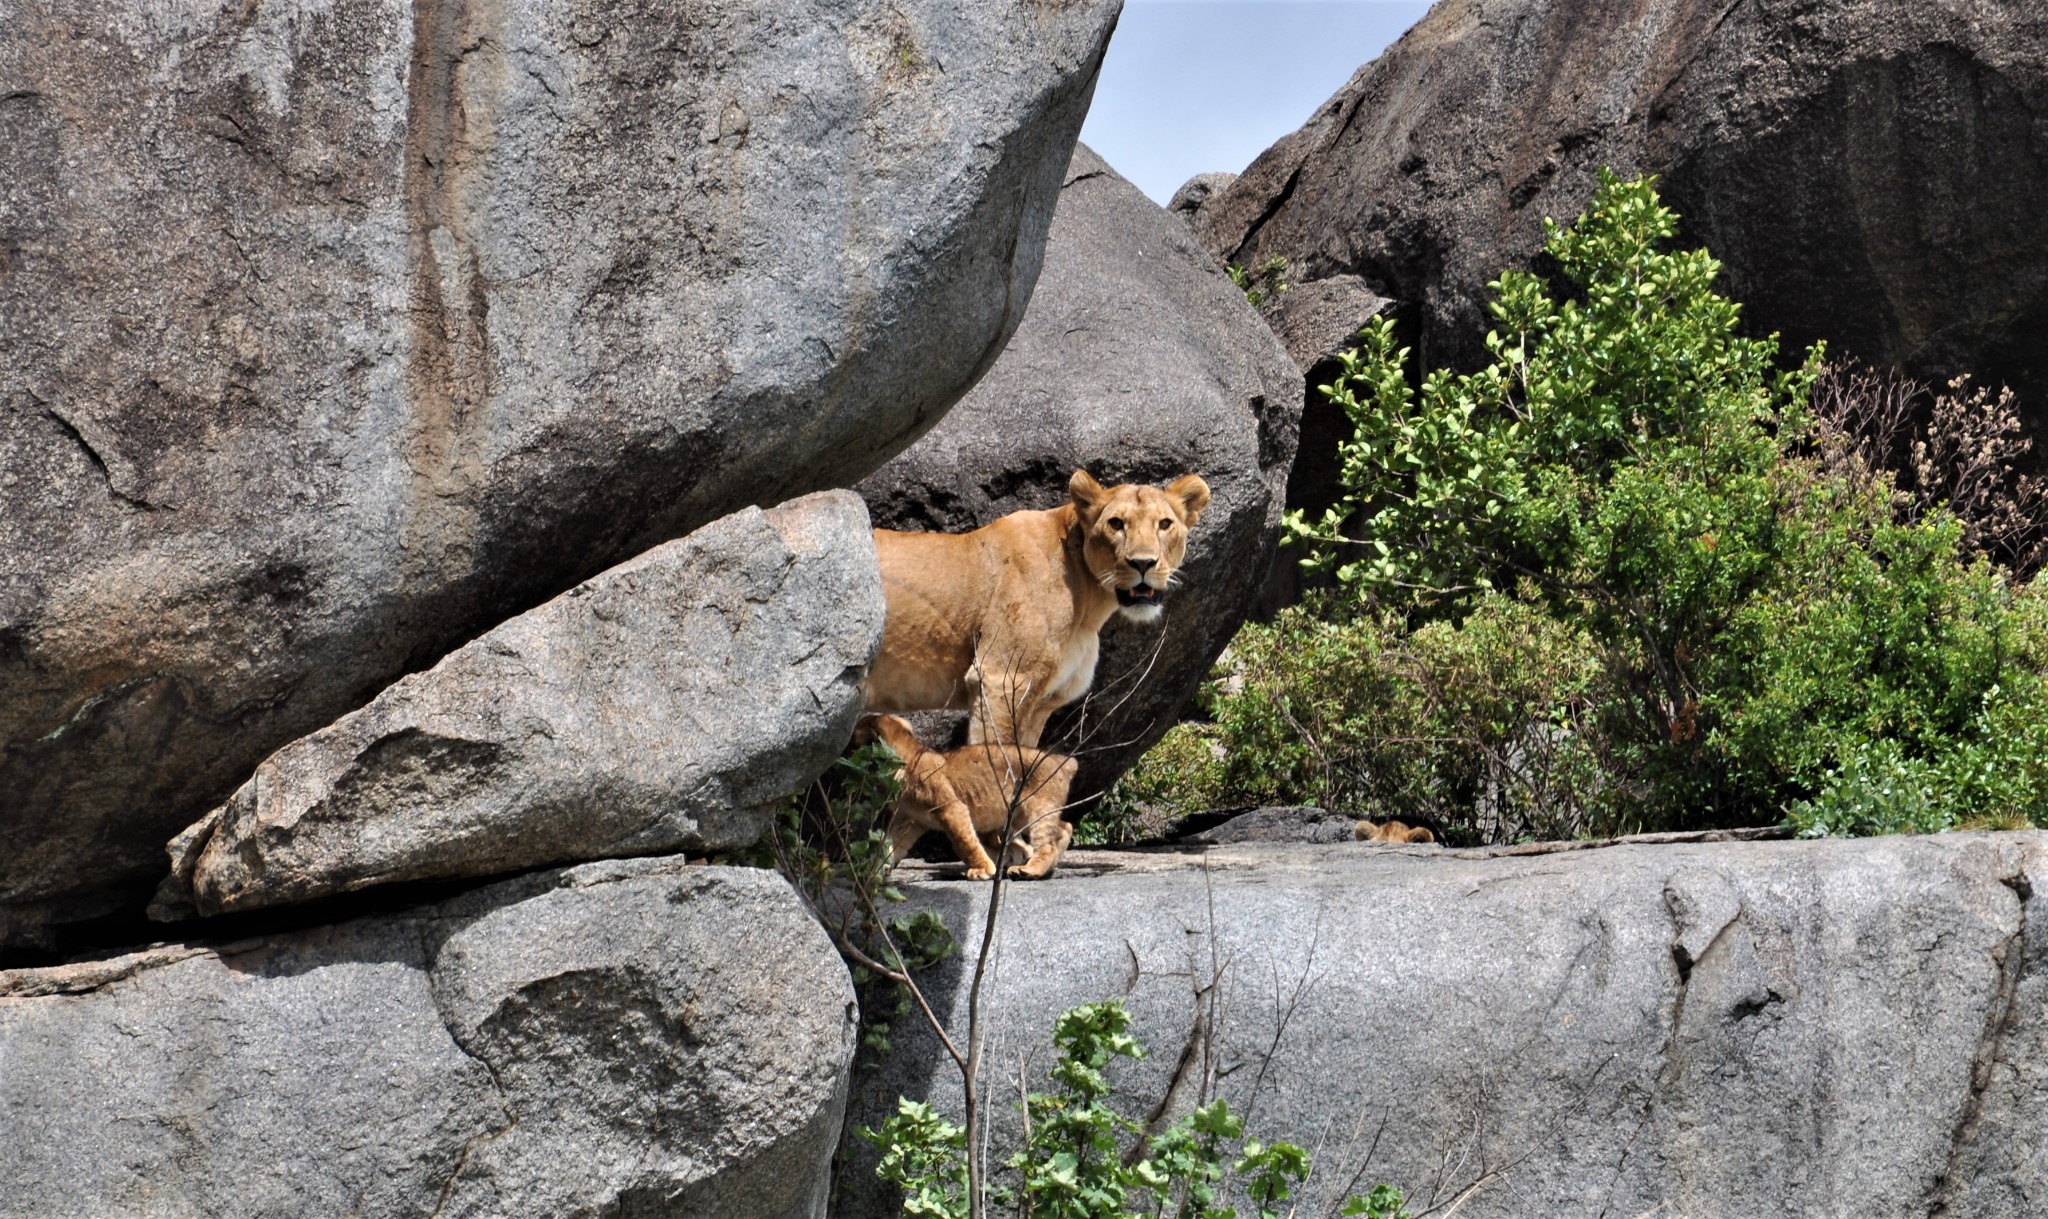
(1134,536)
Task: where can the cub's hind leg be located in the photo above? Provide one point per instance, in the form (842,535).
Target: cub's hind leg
(1044,829)
(1048,840)
(904,831)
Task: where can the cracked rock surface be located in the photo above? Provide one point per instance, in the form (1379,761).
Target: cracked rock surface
(1141,361)
(1699,1029)
(627,1038)
(665,705)
(332,335)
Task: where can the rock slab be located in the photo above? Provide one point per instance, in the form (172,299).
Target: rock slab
(1140,361)
(1717,1029)
(666,705)
(1870,173)
(627,1038)
(337,333)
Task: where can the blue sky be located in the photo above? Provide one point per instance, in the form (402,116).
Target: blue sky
(1191,86)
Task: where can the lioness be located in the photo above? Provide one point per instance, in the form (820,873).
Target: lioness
(967,794)
(1392,831)
(1002,622)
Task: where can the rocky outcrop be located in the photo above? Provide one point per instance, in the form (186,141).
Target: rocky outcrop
(337,335)
(1283,823)
(625,1038)
(1195,193)
(668,704)
(1871,173)
(1140,361)
(1720,1029)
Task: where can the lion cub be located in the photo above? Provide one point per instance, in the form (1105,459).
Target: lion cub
(1391,831)
(966,793)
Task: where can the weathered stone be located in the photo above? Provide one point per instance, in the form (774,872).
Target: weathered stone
(1285,823)
(625,1038)
(1870,173)
(1196,192)
(336,335)
(1317,321)
(666,705)
(1140,361)
(1725,1029)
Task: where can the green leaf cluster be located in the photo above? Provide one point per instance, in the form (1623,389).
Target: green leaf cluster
(1261,283)
(1082,1159)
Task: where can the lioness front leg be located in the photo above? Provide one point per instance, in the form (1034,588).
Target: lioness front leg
(1009,709)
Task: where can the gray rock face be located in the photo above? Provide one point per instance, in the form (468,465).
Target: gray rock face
(1140,361)
(1728,1029)
(666,705)
(337,335)
(625,1038)
(1871,173)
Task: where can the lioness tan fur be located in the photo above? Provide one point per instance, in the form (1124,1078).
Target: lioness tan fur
(1392,831)
(967,795)
(1002,622)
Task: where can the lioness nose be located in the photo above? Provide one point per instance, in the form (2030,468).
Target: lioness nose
(1141,566)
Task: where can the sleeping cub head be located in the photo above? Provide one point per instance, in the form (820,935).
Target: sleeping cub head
(1134,536)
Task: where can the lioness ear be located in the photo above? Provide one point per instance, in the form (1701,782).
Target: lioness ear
(1193,494)
(1088,494)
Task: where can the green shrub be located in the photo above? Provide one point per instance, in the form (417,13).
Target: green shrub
(1488,725)
(1082,1159)
(1612,581)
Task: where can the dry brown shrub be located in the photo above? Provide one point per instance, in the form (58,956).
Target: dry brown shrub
(1961,448)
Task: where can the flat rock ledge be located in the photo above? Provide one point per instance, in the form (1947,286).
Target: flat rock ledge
(1703,1029)
(665,705)
(638,1037)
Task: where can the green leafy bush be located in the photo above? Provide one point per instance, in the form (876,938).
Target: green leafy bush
(1082,1159)
(1488,723)
(1619,579)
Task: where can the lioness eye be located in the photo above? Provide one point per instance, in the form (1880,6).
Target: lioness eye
(1116,523)
(1165,525)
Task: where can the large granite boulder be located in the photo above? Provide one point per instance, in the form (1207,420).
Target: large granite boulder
(1871,173)
(626,1038)
(1720,1029)
(335,335)
(668,704)
(1140,361)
